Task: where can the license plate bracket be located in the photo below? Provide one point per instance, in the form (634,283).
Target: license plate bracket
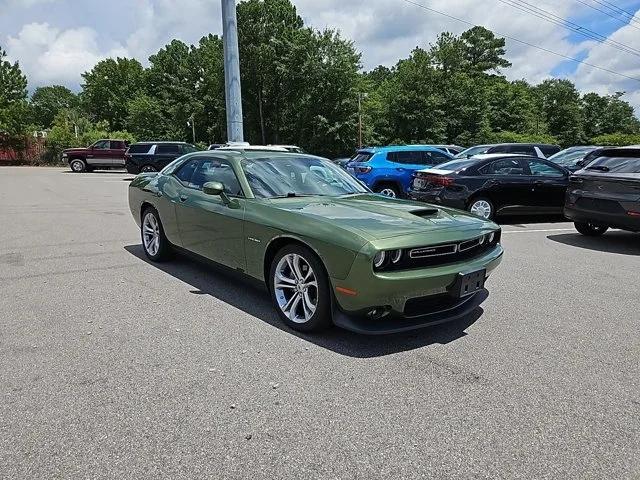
(469,283)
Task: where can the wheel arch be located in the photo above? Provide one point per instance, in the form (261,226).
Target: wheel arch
(277,243)
(482,194)
(389,181)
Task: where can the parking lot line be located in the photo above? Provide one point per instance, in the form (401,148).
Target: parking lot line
(540,230)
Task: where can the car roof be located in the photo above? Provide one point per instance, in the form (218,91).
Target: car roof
(261,148)
(489,156)
(396,148)
(163,142)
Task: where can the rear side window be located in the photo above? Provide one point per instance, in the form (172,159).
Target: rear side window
(617,164)
(140,148)
(407,157)
(162,149)
(117,145)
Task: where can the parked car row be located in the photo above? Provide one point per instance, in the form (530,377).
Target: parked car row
(147,156)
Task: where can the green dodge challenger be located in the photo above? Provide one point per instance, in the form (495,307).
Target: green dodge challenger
(329,250)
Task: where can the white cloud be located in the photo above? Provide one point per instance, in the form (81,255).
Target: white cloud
(49,55)
(590,79)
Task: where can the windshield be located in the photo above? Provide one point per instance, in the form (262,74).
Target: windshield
(293,175)
(616,164)
(470,152)
(570,156)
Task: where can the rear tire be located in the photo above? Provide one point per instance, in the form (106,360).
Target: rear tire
(300,289)
(482,207)
(78,165)
(388,190)
(154,242)
(589,229)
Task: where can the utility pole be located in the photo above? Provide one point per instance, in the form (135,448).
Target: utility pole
(361,95)
(192,124)
(233,93)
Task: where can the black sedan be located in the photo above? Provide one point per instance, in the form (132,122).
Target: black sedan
(488,185)
(606,193)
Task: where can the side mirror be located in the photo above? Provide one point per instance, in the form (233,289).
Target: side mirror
(213,188)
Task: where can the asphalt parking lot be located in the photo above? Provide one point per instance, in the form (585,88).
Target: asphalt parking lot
(112,367)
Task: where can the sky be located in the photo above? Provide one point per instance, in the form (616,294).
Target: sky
(56,40)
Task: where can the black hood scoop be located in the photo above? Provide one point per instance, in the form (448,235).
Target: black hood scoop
(424,212)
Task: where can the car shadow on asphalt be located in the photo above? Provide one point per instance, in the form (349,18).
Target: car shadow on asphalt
(524,220)
(623,243)
(252,297)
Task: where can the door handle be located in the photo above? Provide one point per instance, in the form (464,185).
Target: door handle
(492,183)
(183,198)
(400,169)
(538,182)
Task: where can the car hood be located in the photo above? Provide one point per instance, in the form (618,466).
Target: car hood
(378,217)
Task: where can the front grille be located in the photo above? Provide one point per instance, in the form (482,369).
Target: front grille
(600,205)
(435,255)
(432,304)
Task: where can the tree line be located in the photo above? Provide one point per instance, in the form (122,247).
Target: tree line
(301,86)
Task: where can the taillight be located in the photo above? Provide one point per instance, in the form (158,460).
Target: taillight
(440,180)
(363,169)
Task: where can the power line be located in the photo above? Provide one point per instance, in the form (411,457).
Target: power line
(551,17)
(607,13)
(524,42)
(617,9)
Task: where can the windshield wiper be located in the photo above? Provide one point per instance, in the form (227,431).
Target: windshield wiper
(298,195)
(600,168)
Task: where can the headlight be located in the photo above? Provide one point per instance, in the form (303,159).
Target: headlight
(492,235)
(396,255)
(379,258)
(64,155)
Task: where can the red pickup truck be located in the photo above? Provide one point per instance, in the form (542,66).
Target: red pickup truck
(102,154)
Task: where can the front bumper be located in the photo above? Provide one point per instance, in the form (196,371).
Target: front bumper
(392,292)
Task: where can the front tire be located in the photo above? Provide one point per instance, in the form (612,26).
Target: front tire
(154,242)
(482,207)
(300,289)
(78,165)
(589,229)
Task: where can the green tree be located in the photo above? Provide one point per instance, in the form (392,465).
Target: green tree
(47,101)
(146,119)
(560,103)
(109,86)
(483,51)
(13,94)
(606,114)
(173,79)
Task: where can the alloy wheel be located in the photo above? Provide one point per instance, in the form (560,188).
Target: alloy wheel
(388,192)
(147,169)
(296,288)
(151,234)
(481,208)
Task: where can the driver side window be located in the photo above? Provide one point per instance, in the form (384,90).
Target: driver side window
(542,169)
(216,170)
(101,145)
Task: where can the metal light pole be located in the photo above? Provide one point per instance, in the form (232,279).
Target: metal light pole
(361,95)
(233,93)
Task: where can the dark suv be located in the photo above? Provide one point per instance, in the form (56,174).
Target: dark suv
(154,156)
